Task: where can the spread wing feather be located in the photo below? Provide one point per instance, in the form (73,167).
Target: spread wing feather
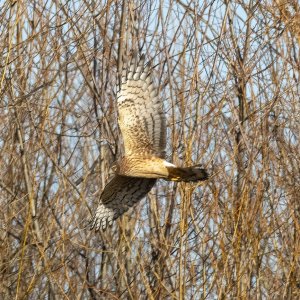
(143,126)
(118,196)
(141,117)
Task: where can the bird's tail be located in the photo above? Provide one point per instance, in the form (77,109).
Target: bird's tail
(194,173)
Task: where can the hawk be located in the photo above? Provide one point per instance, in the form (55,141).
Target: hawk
(142,123)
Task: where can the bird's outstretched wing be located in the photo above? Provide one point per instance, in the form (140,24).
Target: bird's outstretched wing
(141,116)
(118,196)
(143,126)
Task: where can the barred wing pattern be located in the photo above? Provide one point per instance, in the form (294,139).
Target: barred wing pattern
(119,195)
(141,117)
(143,127)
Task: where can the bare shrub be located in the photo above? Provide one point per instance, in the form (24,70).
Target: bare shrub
(228,74)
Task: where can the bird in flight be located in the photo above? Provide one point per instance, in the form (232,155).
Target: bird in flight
(142,122)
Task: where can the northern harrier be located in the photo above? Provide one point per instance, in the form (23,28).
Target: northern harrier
(143,126)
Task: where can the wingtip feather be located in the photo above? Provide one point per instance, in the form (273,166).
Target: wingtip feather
(135,68)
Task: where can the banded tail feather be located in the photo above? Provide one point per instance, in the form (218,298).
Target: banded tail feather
(194,173)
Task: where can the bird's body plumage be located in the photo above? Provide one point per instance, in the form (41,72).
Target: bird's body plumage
(143,126)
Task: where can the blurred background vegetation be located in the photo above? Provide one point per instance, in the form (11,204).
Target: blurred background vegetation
(228,74)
